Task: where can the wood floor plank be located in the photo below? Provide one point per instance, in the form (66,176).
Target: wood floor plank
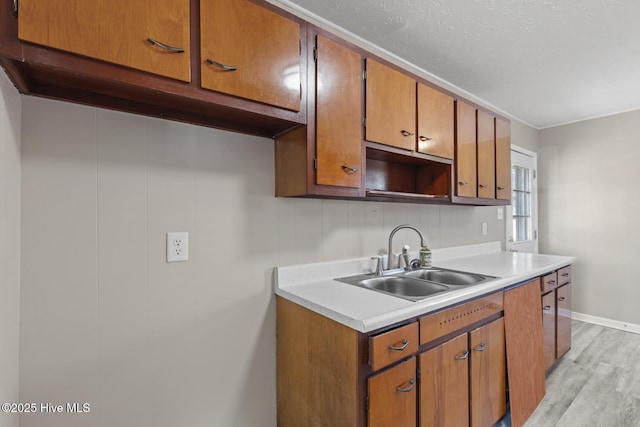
(597,383)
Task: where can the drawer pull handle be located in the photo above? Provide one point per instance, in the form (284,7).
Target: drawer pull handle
(425,138)
(565,274)
(412,384)
(463,356)
(481,347)
(165,46)
(552,282)
(404,345)
(546,308)
(349,169)
(482,186)
(221,65)
(561,299)
(463,183)
(500,188)
(406,133)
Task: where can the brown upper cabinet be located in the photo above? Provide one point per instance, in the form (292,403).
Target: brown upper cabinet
(250,52)
(482,157)
(407,114)
(503,159)
(155,39)
(326,156)
(338,115)
(465,156)
(390,106)
(435,122)
(486,155)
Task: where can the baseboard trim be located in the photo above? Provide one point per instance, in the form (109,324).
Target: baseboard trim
(609,323)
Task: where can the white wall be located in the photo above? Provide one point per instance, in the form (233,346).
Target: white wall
(589,204)
(10,119)
(106,321)
(524,136)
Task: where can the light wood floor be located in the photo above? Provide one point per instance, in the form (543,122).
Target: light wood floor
(596,384)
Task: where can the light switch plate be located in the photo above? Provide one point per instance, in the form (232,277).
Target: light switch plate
(177,246)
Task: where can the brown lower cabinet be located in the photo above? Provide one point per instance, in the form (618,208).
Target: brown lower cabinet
(463,381)
(442,369)
(392,396)
(556,315)
(446,368)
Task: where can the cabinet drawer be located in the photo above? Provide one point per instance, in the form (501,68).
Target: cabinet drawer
(392,396)
(444,322)
(392,346)
(564,275)
(549,282)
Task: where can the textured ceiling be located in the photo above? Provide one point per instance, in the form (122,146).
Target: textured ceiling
(545,62)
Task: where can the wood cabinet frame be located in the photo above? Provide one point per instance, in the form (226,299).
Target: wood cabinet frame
(42,71)
(296,149)
(306,338)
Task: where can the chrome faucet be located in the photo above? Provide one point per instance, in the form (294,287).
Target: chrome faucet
(395,230)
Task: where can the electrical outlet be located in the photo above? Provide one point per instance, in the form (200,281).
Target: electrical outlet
(500,213)
(484,228)
(177,246)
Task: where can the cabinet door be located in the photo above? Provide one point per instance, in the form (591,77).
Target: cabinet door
(116,31)
(465,150)
(444,385)
(563,343)
(503,159)
(486,156)
(435,122)
(549,328)
(261,46)
(390,106)
(488,375)
(524,345)
(392,396)
(338,115)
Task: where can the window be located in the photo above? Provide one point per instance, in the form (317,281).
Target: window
(521,202)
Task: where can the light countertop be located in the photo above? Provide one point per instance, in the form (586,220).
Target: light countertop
(313,285)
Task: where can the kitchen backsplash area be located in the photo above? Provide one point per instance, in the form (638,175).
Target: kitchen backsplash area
(129,333)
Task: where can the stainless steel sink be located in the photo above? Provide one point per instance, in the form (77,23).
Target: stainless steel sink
(448,277)
(404,287)
(418,285)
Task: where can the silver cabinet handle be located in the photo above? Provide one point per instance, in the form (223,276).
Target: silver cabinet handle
(221,65)
(463,183)
(481,347)
(552,282)
(463,356)
(412,384)
(404,345)
(565,274)
(165,46)
(406,133)
(500,188)
(482,185)
(546,308)
(561,299)
(349,169)
(425,138)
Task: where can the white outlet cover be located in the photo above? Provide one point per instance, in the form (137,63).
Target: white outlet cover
(484,228)
(177,246)
(500,213)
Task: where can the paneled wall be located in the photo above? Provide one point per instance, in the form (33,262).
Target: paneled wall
(10,119)
(105,320)
(589,204)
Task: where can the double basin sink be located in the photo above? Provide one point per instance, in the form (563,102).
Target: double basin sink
(417,285)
